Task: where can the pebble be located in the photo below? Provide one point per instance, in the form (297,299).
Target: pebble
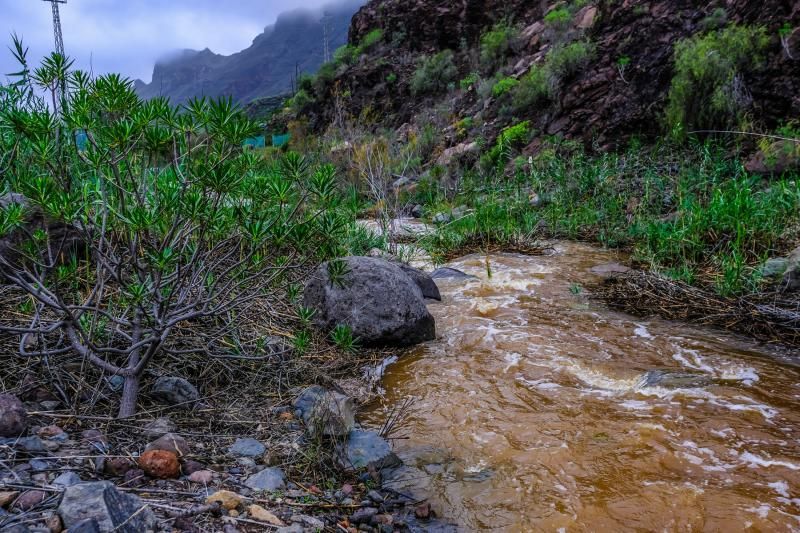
(7,497)
(13,416)
(247,448)
(160,464)
(29,499)
(133,478)
(53,432)
(67,479)
(229,500)
(172,443)
(363,515)
(259,513)
(159,427)
(203,477)
(423,511)
(190,466)
(375,496)
(53,523)
(268,479)
(117,466)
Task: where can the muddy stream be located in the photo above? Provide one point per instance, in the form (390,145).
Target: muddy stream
(537,409)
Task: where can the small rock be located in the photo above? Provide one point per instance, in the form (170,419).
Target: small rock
(175,391)
(190,466)
(294,528)
(423,511)
(268,479)
(67,479)
(774,267)
(96,438)
(7,497)
(363,515)
(608,270)
(379,519)
(442,218)
(229,500)
(133,478)
(52,433)
(262,515)
(159,427)
(117,466)
(234,513)
(111,509)
(417,211)
(50,405)
(39,465)
(203,477)
(365,449)
(29,499)
(13,416)
(247,448)
(315,524)
(247,463)
(375,496)
(326,412)
(53,523)
(31,445)
(172,443)
(160,464)
(674,379)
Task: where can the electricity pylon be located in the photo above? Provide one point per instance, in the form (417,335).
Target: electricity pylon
(57,26)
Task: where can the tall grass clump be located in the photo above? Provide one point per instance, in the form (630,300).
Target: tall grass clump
(496,45)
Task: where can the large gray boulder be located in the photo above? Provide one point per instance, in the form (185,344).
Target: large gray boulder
(380,303)
(111,509)
(423,280)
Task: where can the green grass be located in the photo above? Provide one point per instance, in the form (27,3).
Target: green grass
(693,214)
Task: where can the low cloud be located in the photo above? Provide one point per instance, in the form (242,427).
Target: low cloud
(129,37)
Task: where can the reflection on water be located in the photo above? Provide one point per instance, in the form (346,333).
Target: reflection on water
(534,411)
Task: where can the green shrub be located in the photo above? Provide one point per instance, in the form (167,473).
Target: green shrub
(531,90)
(179,226)
(707,90)
(344,55)
(470,81)
(496,44)
(434,73)
(504,86)
(300,100)
(391,78)
(565,60)
(370,40)
(508,140)
(559,18)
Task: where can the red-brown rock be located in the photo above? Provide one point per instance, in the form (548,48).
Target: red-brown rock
(30,499)
(160,464)
(13,416)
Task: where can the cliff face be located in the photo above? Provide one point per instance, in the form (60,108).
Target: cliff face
(294,43)
(596,104)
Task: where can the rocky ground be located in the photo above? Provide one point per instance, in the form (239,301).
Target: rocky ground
(238,460)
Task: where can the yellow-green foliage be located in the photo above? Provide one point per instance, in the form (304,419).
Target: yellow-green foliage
(504,86)
(558,18)
(707,90)
(496,45)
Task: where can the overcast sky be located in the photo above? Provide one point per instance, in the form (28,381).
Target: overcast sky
(127,36)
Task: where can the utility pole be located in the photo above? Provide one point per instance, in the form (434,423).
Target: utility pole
(326,36)
(57,26)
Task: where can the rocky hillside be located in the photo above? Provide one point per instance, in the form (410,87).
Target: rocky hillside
(599,72)
(294,43)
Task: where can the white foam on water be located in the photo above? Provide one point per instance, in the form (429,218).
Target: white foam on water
(641,331)
(754,461)
(692,359)
(762,510)
(781,487)
(512,359)
(540,384)
(636,405)
(476,468)
(701,396)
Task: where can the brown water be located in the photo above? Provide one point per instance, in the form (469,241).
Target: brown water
(530,413)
